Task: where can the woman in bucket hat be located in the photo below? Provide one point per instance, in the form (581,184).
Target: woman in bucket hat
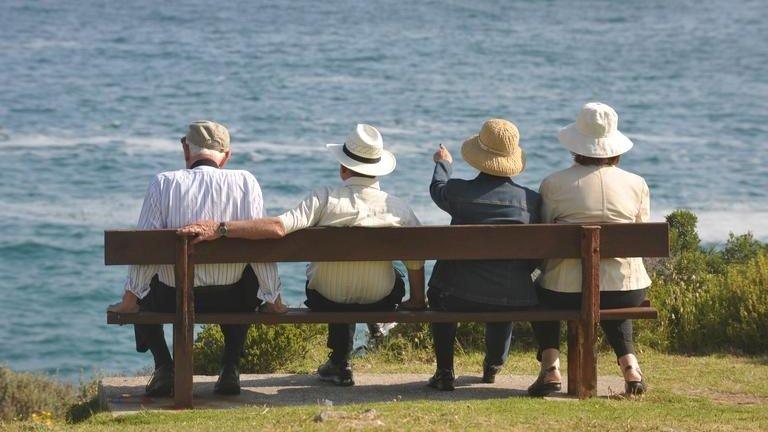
(491,197)
(594,189)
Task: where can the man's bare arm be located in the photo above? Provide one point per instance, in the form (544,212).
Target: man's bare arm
(256,229)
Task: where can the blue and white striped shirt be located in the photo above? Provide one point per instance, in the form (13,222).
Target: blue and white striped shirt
(178,198)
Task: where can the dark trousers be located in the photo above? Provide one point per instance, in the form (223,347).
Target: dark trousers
(498,335)
(341,335)
(238,297)
(618,332)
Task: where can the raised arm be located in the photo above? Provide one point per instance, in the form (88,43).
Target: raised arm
(438,187)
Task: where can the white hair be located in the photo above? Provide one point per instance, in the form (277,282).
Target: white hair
(199,151)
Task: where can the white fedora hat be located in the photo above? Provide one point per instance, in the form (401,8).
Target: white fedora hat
(595,133)
(363,152)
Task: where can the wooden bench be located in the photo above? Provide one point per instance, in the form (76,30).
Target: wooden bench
(470,242)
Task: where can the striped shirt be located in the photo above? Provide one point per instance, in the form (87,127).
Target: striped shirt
(358,202)
(178,198)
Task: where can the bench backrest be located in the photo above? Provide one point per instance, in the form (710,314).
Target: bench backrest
(467,242)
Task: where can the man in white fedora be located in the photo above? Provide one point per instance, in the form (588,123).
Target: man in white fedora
(343,286)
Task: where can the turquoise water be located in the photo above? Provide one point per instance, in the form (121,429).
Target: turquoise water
(94,95)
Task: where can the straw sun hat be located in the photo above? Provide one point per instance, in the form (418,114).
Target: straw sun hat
(363,152)
(495,150)
(595,133)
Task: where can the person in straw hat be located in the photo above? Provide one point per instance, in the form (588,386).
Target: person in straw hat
(594,189)
(343,286)
(493,197)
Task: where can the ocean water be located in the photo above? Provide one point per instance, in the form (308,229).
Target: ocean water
(94,96)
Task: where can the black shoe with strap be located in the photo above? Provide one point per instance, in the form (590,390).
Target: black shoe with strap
(337,373)
(442,380)
(490,372)
(228,383)
(634,388)
(541,388)
(161,382)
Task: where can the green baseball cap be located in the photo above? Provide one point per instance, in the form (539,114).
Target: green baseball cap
(208,135)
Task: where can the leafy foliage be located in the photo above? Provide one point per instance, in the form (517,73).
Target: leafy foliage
(268,348)
(709,300)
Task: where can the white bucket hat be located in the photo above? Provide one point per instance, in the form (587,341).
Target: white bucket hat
(595,133)
(363,152)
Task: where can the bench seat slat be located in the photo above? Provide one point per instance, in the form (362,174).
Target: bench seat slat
(295,316)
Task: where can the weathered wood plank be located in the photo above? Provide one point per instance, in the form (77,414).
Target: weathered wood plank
(427,242)
(590,311)
(183,325)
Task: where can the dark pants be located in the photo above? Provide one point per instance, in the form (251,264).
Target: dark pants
(498,335)
(618,332)
(238,297)
(340,335)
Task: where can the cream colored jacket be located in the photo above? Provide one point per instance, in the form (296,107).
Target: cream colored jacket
(582,194)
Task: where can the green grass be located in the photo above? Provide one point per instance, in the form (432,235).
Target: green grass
(715,392)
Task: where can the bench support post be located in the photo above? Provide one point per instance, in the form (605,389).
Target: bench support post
(183,326)
(585,332)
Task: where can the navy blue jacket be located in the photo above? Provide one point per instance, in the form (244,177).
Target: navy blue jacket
(486,199)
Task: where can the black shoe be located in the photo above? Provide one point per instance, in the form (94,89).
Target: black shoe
(339,374)
(635,388)
(229,381)
(489,373)
(161,382)
(540,388)
(442,380)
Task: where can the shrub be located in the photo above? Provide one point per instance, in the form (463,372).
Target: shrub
(709,300)
(268,348)
(25,396)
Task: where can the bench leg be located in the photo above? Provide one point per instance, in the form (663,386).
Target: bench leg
(183,326)
(574,358)
(590,312)
(587,387)
(182,359)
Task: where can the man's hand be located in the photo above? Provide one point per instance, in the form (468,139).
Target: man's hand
(413,304)
(129,304)
(442,154)
(205,230)
(274,308)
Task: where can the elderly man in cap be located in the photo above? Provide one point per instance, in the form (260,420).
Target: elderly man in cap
(174,199)
(343,286)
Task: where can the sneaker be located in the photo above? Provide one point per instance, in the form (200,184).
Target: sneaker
(339,374)
(442,380)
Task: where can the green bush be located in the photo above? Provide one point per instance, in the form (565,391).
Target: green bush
(268,348)
(709,300)
(25,396)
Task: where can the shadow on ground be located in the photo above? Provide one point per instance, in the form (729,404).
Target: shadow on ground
(125,395)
